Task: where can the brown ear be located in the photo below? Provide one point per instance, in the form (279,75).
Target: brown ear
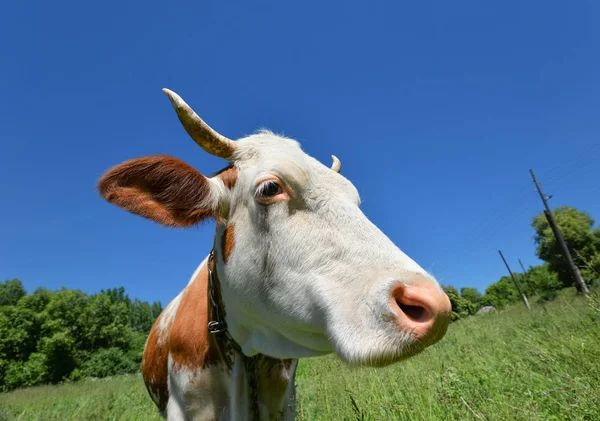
(161,188)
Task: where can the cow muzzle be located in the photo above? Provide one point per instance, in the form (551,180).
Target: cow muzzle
(422,309)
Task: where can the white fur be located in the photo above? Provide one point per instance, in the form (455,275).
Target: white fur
(217,196)
(311,275)
(198,395)
(167,316)
(307,276)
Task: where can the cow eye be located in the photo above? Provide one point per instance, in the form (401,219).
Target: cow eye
(269,189)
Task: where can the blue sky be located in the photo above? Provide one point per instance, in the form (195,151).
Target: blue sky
(436,109)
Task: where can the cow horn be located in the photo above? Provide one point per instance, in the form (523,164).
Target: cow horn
(207,138)
(337,164)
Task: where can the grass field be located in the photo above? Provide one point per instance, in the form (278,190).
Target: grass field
(511,365)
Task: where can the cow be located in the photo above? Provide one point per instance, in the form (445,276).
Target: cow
(295,270)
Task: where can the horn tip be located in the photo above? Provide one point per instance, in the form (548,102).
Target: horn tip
(167,91)
(337,164)
(176,101)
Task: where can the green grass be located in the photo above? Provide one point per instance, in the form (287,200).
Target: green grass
(511,365)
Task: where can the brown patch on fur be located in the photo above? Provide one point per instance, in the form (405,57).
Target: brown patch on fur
(229,176)
(189,334)
(161,188)
(191,345)
(274,377)
(274,369)
(287,364)
(228,242)
(186,339)
(155,366)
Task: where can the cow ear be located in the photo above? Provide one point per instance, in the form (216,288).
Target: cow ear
(161,188)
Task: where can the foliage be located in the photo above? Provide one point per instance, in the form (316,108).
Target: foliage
(107,322)
(28,373)
(543,282)
(19,333)
(36,301)
(507,365)
(142,315)
(108,362)
(11,292)
(471,295)
(541,279)
(583,243)
(51,336)
(461,307)
(501,293)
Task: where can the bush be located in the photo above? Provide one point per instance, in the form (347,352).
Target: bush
(547,296)
(23,374)
(461,307)
(109,362)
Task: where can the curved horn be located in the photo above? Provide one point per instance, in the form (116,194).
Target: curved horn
(207,138)
(337,164)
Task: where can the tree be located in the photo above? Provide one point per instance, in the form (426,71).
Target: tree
(49,336)
(108,362)
(106,323)
(117,295)
(543,279)
(63,313)
(460,306)
(501,293)
(28,373)
(11,292)
(471,295)
(19,333)
(37,301)
(141,316)
(576,228)
(157,308)
(59,355)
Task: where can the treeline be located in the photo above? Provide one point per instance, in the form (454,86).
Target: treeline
(53,336)
(541,283)
(538,283)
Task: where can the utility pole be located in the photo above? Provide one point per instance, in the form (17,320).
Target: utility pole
(561,241)
(527,277)
(515,281)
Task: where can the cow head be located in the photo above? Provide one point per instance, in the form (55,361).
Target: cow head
(303,271)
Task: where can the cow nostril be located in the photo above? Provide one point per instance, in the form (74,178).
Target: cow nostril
(421,309)
(416,313)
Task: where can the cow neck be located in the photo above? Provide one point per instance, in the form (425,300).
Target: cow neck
(217,326)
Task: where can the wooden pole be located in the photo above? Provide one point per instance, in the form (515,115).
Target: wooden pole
(527,277)
(579,282)
(523,297)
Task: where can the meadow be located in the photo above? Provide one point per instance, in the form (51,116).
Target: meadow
(508,365)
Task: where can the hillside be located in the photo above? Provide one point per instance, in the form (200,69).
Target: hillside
(508,365)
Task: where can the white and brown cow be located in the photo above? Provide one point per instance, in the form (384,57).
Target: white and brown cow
(298,268)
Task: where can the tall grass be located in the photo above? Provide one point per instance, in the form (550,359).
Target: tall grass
(508,365)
